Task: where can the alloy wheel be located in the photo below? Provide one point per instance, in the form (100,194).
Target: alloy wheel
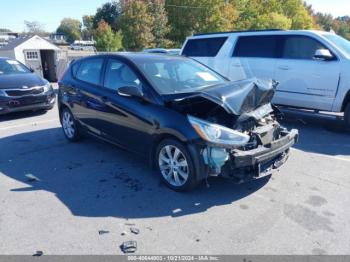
(68,124)
(173,165)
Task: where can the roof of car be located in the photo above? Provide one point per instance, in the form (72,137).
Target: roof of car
(259,32)
(137,56)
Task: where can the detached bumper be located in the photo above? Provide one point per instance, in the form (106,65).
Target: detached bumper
(264,154)
(244,166)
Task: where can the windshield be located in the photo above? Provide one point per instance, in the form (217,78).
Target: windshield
(8,67)
(178,75)
(340,42)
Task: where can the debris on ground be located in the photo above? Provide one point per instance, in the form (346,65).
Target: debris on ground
(38,253)
(31,178)
(123,233)
(134,230)
(128,247)
(101,232)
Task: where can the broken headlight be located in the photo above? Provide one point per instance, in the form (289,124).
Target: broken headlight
(217,134)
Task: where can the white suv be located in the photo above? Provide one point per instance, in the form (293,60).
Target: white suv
(312,67)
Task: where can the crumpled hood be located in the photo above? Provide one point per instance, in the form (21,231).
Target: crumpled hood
(20,80)
(236,97)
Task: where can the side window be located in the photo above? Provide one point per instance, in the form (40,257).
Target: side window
(263,46)
(206,47)
(90,70)
(119,74)
(300,47)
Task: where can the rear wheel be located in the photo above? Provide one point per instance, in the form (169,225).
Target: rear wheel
(347,115)
(175,165)
(69,125)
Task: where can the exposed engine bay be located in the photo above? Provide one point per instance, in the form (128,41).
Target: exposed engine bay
(246,108)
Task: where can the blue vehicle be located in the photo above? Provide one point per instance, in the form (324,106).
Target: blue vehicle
(189,121)
(23,90)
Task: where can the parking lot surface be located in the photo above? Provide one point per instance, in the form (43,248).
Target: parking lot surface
(90,193)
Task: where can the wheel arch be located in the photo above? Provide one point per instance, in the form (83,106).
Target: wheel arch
(345,101)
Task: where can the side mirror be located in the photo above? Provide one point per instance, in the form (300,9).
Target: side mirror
(323,54)
(130,91)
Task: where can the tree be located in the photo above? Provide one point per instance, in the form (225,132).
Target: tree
(325,21)
(106,39)
(199,16)
(286,14)
(71,28)
(88,27)
(136,24)
(109,12)
(34,28)
(160,27)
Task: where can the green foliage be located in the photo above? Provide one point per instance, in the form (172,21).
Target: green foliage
(71,28)
(106,39)
(136,24)
(109,12)
(194,16)
(160,23)
(262,14)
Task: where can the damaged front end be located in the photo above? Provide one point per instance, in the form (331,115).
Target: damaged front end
(241,136)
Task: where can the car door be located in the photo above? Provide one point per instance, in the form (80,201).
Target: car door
(254,56)
(305,81)
(128,120)
(88,96)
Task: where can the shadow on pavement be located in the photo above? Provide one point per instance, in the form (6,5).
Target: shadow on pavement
(95,179)
(319,134)
(20,115)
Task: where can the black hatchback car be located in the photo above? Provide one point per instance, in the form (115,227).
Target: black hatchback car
(22,90)
(188,120)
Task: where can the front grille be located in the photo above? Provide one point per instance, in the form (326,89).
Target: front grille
(25,92)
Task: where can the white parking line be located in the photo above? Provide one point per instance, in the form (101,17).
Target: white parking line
(29,124)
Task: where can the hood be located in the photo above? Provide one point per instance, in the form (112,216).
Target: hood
(20,80)
(236,97)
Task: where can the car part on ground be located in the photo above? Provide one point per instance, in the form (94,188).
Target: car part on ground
(192,127)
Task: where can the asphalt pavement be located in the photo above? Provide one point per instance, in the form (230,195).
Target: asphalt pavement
(82,198)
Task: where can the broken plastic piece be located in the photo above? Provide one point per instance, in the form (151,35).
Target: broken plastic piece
(38,253)
(31,178)
(129,247)
(101,232)
(134,230)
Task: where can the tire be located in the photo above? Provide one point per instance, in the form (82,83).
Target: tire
(177,169)
(347,116)
(69,126)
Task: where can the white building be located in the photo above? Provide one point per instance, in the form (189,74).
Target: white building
(45,58)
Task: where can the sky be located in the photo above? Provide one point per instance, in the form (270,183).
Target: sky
(50,12)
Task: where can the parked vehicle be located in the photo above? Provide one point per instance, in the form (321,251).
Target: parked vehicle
(188,120)
(312,67)
(22,90)
(83,45)
(173,51)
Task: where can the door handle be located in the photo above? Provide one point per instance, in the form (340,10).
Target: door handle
(104,99)
(283,67)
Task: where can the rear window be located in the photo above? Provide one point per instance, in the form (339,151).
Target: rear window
(258,46)
(90,70)
(206,47)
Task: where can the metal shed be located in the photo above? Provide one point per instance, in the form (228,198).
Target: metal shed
(45,58)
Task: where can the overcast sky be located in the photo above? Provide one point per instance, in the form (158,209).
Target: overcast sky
(50,12)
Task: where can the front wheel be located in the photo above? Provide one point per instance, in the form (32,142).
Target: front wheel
(69,125)
(175,165)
